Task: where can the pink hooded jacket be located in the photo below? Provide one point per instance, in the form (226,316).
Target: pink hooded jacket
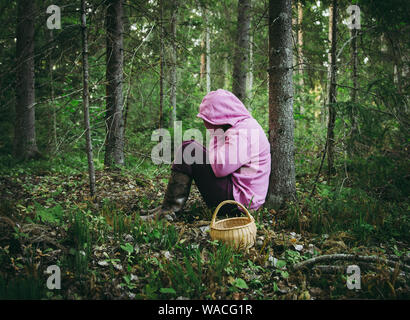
(243,150)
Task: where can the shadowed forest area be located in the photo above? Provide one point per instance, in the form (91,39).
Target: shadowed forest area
(84,85)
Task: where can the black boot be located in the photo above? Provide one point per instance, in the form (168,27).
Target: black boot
(176,195)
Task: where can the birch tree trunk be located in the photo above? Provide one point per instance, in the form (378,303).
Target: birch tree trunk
(114,148)
(332,93)
(281,124)
(330,37)
(202,71)
(89,147)
(25,145)
(240,67)
(325,116)
(173,69)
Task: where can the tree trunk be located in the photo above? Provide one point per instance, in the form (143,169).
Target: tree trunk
(208,53)
(325,116)
(330,38)
(353,95)
(89,147)
(249,81)
(394,53)
(354,65)
(300,53)
(332,93)
(240,66)
(114,148)
(54,107)
(161,64)
(226,72)
(173,69)
(355,87)
(25,145)
(295,26)
(281,124)
(227,53)
(300,43)
(203,61)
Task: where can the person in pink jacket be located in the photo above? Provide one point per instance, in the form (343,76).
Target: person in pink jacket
(235,166)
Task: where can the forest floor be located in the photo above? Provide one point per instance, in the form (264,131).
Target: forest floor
(105,251)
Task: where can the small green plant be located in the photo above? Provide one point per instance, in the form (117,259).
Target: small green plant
(19,234)
(280,267)
(82,241)
(220,258)
(159,235)
(129,249)
(240,283)
(128,282)
(293,256)
(50,215)
(111,261)
(187,278)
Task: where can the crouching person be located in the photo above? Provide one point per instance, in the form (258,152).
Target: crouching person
(235,166)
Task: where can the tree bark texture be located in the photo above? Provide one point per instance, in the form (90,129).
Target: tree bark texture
(89,147)
(240,67)
(281,123)
(173,69)
(332,93)
(226,72)
(53,106)
(300,43)
(353,116)
(208,53)
(203,60)
(25,145)
(354,65)
(249,80)
(161,64)
(325,116)
(114,148)
(300,53)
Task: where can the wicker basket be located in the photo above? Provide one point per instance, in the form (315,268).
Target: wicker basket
(239,232)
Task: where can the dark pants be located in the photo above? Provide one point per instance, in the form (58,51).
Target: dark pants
(214,190)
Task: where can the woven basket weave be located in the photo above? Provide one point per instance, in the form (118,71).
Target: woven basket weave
(239,232)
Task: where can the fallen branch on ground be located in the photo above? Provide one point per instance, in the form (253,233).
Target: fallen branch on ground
(348,257)
(363,266)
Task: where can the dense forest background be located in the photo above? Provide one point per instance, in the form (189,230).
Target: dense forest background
(72,190)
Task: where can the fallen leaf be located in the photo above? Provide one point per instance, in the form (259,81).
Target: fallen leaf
(103,263)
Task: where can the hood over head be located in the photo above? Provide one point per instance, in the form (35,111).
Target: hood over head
(222,107)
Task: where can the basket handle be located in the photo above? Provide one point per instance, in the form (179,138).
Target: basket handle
(231,202)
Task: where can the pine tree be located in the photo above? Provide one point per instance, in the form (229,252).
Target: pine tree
(114,148)
(25,145)
(281,123)
(241,57)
